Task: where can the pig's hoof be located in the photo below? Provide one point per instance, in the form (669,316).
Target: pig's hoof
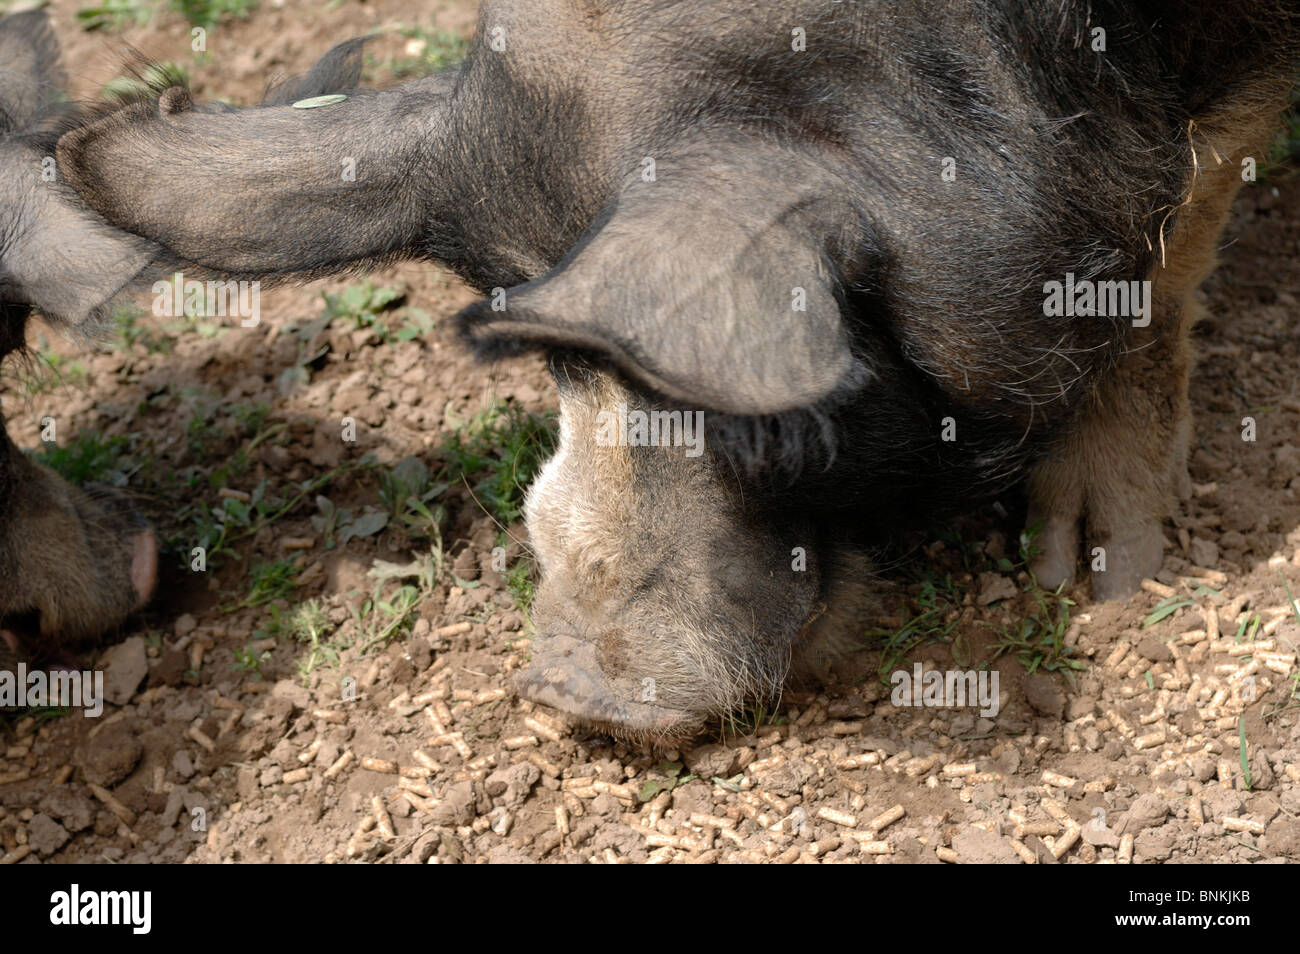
(1130,557)
(1058,551)
(566,675)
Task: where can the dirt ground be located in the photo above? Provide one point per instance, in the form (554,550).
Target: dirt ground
(336,685)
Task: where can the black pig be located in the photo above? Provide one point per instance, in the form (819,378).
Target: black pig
(900,257)
(73,563)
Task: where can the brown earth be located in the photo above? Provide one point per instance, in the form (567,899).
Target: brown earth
(231,752)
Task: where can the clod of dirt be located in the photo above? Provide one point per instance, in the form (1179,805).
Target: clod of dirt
(172,811)
(1008,761)
(45,835)
(125,666)
(1080,706)
(1203,769)
(466,565)
(696,796)
(169,670)
(1155,844)
(1261,773)
(76,812)
(974,846)
(110,756)
(994,587)
(712,761)
(246,782)
(1147,811)
(1044,694)
(423,847)
(1219,801)
(182,764)
(1099,836)
(452,852)
(457,806)
(513,784)
(418,650)
(786,778)
(270,727)
(1155,649)
(1283,838)
(1204,553)
(849,707)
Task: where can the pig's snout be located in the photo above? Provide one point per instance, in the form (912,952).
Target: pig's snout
(135,536)
(597,682)
(144,566)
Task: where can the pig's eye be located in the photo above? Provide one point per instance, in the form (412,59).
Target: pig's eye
(597,564)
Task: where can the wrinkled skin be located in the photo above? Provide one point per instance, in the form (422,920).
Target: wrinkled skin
(73,563)
(691,214)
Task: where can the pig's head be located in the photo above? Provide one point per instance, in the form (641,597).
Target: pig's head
(667,591)
(73,563)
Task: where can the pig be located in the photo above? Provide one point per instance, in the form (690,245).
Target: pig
(74,563)
(863,243)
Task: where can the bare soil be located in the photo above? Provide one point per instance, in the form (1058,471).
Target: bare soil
(234,740)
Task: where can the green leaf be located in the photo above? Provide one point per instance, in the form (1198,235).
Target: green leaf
(412,471)
(1165,609)
(366,525)
(236,511)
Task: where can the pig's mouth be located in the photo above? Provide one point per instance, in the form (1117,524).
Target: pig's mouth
(17,630)
(566,674)
(20,642)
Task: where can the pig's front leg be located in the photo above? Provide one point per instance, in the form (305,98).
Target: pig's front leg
(1116,475)
(1113,480)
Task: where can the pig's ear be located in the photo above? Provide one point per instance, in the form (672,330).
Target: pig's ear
(337,70)
(30,76)
(70,264)
(719,291)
